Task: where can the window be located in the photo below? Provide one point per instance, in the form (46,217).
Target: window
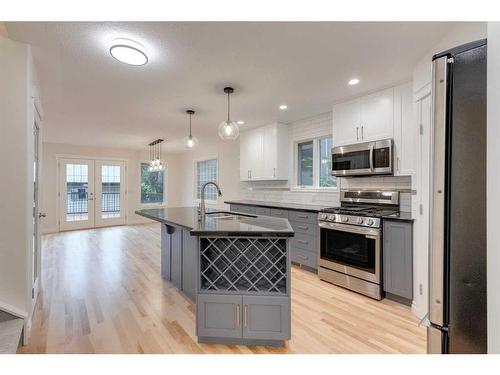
(152,189)
(206,170)
(325,163)
(314,164)
(305,164)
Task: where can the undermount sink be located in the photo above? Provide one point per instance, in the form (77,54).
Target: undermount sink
(224,215)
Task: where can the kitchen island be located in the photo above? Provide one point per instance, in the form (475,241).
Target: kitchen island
(236,269)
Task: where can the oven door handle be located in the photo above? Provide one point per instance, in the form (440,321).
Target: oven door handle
(366,231)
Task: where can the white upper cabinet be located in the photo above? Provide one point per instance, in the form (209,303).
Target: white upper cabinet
(264,153)
(377,116)
(364,119)
(346,120)
(406,131)
(384,114)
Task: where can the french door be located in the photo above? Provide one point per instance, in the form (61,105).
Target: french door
(91,193)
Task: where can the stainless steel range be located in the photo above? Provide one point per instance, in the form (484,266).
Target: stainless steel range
(351,240)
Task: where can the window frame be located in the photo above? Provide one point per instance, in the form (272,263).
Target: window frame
(316,170)
(164,201)
(195,179)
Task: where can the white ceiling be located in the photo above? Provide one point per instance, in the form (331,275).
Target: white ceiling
(90,98)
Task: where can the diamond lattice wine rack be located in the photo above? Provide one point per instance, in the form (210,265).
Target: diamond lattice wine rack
(243,265)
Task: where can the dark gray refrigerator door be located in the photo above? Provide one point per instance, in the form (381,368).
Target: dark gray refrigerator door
(466,204)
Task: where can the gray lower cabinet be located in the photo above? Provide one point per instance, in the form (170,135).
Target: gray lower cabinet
(246,317)
(189,264)
(176,257)
(266,317)
(398,259)
(166,252)
(219,315)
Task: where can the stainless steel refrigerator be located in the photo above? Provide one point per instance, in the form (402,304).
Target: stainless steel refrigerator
(457,261)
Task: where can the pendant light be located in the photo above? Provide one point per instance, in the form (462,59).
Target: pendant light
(155,163)
(190,142)
(228,130)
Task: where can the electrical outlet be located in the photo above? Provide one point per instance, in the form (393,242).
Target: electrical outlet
(420,289)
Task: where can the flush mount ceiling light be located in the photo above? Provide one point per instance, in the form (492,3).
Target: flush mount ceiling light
(283,107)
(240,122)
(353,81)
(228,130)
(190,141)
(155,163)
(128,52)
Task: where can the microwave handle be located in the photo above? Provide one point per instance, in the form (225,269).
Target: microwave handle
(371,157)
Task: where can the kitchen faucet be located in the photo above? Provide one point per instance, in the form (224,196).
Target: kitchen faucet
(202,197)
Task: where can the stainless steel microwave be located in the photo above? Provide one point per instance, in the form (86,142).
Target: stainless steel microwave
(363,159)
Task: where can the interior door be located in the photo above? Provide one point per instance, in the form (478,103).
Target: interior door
(36,242)
(76,191)
(110,194)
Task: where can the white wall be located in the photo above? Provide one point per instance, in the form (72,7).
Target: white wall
(17,81)
(49,182)
(493,181)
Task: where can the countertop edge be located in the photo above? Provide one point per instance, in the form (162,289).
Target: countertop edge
(282,206)
(164,221)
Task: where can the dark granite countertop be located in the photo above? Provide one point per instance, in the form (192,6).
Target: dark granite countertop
(244,225)
(401,215)
(283,205)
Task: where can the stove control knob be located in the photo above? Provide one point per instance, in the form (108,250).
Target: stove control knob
(360,220)
(331,217)
(323,216)
(345,219)
(370,222)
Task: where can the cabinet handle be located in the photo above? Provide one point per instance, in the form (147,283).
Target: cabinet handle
(274,172)
(303,227)
(362,133)
(302,257)
(303,242)
(357,136)
(238,315)
(397,163)
(302,216)
(245,315)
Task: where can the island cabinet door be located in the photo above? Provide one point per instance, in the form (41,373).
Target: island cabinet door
(219,315)
(266,317)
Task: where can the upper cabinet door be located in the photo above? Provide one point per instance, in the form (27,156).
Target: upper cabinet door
(347,122)
(255,157)
(245,155)
(270,151)
(377,116)
(406,131)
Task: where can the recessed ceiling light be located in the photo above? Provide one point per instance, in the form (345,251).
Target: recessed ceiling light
(283,107)
(129,52)
(240,122)
(353,81)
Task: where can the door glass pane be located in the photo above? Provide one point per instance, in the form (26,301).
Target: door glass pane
(77,186)
(325,163)
(305,164)
(110,199)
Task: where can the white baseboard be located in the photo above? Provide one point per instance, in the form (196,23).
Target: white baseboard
(13,310)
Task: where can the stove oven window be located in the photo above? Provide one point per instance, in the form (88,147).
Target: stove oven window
(350,249)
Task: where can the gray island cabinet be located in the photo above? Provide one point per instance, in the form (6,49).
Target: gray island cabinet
(235,267)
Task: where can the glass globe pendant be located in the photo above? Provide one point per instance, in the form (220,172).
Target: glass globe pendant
(228,130)
(155,163)
(190,142)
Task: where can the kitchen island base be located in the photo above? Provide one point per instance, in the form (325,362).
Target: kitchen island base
(236,269)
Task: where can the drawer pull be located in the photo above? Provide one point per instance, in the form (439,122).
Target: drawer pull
(302,257)
(303,216)
(303,227)
(303,242)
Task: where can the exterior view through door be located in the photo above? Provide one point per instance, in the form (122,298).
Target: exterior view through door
(91,193)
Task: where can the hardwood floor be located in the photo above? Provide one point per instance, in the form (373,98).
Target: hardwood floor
(102,293)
